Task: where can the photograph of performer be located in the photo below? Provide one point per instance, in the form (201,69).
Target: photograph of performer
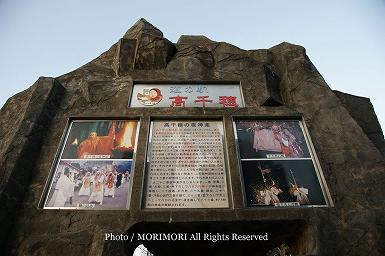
(64,189)
(97,145)
(268,192)
(86,185)
(100,139)
(271,139)
(97,188)
(299,192)
(273,182)
(110,184)
(269,195)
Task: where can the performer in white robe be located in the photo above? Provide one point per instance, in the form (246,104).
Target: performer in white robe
(97,190)
(266,196)
(86,184)
(274,194)
(64,189)
(270,195)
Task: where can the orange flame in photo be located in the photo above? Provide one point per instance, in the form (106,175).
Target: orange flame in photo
(126,136)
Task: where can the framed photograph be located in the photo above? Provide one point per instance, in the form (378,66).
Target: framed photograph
(100,140)
(281,183)
(90,184)
(94,166)
(278,165)
(271,139)
(186,165)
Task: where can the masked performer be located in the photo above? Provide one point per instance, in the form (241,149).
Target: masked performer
(86,184)
(97,190)
(64,189)
(97,145)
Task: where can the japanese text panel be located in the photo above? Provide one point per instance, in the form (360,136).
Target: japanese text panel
(186,167)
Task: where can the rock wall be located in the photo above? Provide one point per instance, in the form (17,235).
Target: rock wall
(361,109)
(280,81)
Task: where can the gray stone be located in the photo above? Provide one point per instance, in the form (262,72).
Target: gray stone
(125,56)
(273,97)
(142,26)
(361,109)
(195,40)
(17,162)
(153,52)
(191,62)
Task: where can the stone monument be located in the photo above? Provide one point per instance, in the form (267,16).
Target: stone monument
(277,83)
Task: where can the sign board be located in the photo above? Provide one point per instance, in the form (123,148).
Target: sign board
(94,167)
(278,166)
(187,95)
(186,165)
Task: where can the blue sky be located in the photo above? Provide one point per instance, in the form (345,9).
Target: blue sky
(344,39)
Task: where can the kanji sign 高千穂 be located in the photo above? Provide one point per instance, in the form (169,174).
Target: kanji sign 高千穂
(194,95)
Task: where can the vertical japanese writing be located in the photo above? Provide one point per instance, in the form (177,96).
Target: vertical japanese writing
(186,169)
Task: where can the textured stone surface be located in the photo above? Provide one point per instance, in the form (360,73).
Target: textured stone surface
(23,145)
(361,109)
(32,123)
(125,56)
(153,52)
(273,92)
(142,26)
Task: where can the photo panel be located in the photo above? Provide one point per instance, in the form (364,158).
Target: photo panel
(90,184)
(281,183)
(277,166)
(94,166)
(186,165)
(100,139)
(260,139)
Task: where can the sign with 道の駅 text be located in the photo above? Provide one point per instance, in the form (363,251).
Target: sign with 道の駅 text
(186,165)
(188,95)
